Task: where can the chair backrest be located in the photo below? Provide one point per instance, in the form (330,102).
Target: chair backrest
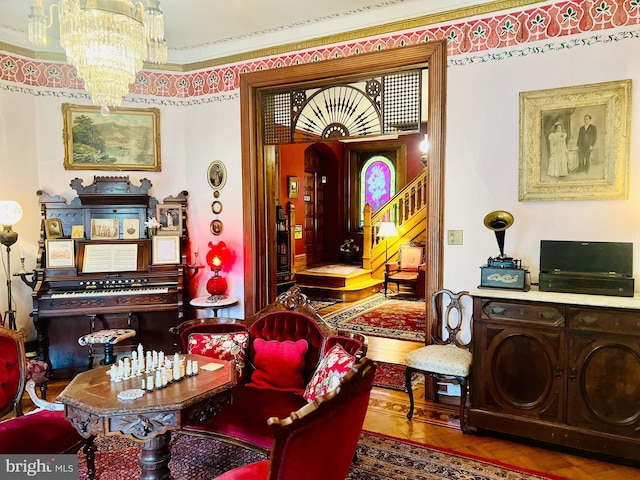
(453,314)
(410,257)
(12,371)
(289,325)
(217,325)
(318,441)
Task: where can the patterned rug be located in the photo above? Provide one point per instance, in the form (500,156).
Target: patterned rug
(379,458)
(320,303)
(382,316)
(391,375)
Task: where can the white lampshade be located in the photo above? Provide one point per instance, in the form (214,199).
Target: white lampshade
(10,212)
(387,229)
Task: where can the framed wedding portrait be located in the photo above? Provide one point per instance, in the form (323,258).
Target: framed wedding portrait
(574,143)
(170,218)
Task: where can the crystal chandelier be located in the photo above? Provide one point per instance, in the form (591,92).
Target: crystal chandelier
(105,40)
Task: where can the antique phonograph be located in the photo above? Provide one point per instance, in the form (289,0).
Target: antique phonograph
(502,271)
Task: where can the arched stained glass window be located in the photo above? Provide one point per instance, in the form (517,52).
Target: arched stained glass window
(377,183)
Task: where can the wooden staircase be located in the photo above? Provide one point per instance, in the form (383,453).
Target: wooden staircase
(351,283)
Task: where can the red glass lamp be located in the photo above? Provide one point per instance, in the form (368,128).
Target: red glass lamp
(217,258)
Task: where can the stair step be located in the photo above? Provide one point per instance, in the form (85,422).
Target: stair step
(332,278)
(351,293)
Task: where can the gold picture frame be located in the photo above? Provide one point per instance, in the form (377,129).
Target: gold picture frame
(60,253)
(166,250)
(126,139)
(294,186)
(559,158)
(53,228)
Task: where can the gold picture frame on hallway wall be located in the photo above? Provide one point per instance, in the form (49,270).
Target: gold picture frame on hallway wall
(294,186)
(574,143)
(126,139)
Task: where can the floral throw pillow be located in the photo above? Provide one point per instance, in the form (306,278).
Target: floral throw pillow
(335,365)
(222,346)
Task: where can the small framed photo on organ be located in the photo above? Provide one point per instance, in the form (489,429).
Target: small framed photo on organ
(60,253)
(53,228)
(130,228)
(166,250)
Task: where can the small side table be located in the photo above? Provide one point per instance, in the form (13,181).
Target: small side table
(204,302)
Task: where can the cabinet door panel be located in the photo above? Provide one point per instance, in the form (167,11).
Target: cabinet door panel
(522,371)
(604,391)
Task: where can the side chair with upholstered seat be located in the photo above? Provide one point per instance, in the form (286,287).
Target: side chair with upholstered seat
(42,431)
(407,270)
(448,357)
(319,440)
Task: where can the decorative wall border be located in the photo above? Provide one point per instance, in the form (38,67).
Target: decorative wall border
(468,41)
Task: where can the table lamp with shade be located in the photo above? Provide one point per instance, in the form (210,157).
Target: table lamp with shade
(10,214)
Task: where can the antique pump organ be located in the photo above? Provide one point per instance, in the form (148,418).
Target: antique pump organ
(107,283)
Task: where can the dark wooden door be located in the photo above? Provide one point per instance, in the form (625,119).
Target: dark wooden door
(314,242)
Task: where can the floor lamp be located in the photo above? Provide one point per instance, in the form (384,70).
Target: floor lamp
(10,214)
(386,231)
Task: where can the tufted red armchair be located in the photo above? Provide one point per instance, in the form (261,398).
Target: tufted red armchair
(44,430)
(290,318)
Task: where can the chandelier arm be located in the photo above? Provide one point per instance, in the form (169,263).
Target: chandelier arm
(51,8)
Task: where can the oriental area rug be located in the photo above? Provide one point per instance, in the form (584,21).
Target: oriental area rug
(379,458)
(381,316)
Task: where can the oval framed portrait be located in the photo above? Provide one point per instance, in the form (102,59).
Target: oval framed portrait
(216,227)
(217,175)
(216,206)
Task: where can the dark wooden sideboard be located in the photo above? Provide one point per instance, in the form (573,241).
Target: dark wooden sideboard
(558,368)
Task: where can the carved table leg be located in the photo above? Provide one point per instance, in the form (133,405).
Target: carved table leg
(154,458)
(90,454)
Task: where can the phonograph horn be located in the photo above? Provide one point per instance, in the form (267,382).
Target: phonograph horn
(499,221)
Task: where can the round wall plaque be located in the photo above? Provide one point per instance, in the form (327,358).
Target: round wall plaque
(216,207)
(216,227)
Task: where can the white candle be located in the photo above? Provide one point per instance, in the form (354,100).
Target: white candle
(194,367)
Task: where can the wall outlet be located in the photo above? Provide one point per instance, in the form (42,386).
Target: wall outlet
(454,237)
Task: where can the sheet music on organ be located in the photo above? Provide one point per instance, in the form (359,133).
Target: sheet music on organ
(111,257)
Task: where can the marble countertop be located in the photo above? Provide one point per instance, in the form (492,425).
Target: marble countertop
(534,295)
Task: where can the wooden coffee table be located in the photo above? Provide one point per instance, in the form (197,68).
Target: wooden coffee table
(92,406)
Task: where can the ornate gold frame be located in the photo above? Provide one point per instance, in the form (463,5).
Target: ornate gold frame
(610,105)
(140,126)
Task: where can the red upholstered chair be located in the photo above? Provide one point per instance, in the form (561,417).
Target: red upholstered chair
(318,441)
(289,319)
(44,430)
(408,269)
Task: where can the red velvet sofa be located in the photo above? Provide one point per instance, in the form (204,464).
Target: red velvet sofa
(256,399)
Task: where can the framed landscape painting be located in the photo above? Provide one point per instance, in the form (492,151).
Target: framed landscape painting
(126,139)
(574,142)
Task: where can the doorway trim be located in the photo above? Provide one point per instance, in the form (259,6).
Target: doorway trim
(258,169)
